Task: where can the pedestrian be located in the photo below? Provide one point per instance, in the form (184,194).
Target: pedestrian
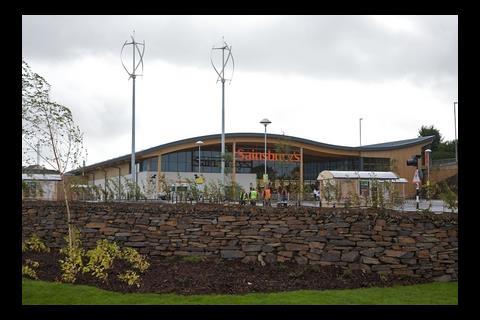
(284,195)
(267,194)
(253,197)
(244,197)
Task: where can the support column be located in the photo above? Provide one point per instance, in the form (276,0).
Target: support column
(234,168)
(301,173)
(234,164)
(159,171)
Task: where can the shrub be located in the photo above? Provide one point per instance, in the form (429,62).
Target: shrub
(137,261)
(130,277)
(28,269)
(34,244)
(450,198)
(101,259)
(72,264)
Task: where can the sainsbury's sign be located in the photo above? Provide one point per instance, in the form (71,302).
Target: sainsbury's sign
(242,155)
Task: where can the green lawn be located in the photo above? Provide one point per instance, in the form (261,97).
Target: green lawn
(41,292)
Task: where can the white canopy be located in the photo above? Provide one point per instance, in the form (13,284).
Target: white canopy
(381,175)
(39,176)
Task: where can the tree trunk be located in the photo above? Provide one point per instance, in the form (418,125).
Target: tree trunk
(70,238)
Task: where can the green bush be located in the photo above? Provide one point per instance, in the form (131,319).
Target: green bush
(130,277)
(28,269)
(450,198)
(101,259)
(137,261)
(34,244)
(72,264)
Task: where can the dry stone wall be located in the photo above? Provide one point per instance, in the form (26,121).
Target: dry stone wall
(423,245)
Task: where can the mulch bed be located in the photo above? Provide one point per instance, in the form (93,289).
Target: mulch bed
(217,276)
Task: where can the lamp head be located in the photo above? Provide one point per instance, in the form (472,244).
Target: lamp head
(265,122)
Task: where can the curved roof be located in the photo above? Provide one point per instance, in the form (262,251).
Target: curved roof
(372,147)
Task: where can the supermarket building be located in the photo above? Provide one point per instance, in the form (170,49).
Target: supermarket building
(288,158)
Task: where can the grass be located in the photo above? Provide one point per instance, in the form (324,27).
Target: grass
(36,292)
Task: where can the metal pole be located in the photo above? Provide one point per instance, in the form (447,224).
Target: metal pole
(360,120)
(134,168)
(418,190)
(133,75)
(222,168)
(199,159)
(418,197)
(455,122)
(265,149)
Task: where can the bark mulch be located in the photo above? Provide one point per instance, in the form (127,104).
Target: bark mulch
(217,276)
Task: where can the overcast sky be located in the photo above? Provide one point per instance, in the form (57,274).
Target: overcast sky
(312,76)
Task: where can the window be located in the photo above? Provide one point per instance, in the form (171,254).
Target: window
(143,165)
(153,164)
(376,164)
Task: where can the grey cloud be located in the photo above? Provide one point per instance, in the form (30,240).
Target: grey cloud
(338,47)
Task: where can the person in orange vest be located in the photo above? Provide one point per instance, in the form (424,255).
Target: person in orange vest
(267,195)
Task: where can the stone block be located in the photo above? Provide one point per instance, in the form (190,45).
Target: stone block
(123,234)
(313,256)
(296,247)
(342,242)
(351,256)
(136,238)
(95,225)
(252,248)
(249,259)
(406,240)
(371,244)
(288,254)
(135,244)
(301,260)
(227,218)
(316,245)
(267,248)
(331,256)
(395,253)
(232,254)
(423,254)
(390,260)
(368,260)
(282,259)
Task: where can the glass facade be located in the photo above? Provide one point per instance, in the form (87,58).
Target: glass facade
(376,164)
(312,166)
(252,162)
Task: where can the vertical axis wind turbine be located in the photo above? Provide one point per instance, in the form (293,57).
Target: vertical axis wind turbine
(132,74)
(221,77)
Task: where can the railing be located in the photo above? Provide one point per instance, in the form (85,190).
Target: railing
(440,162)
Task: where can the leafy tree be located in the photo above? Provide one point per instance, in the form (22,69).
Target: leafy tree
(431,131)
(440,149)
(49,124)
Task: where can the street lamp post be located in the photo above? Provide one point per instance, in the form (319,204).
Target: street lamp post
(427,162)
(360,121)
(199,143)
(265,122)
(455,122)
